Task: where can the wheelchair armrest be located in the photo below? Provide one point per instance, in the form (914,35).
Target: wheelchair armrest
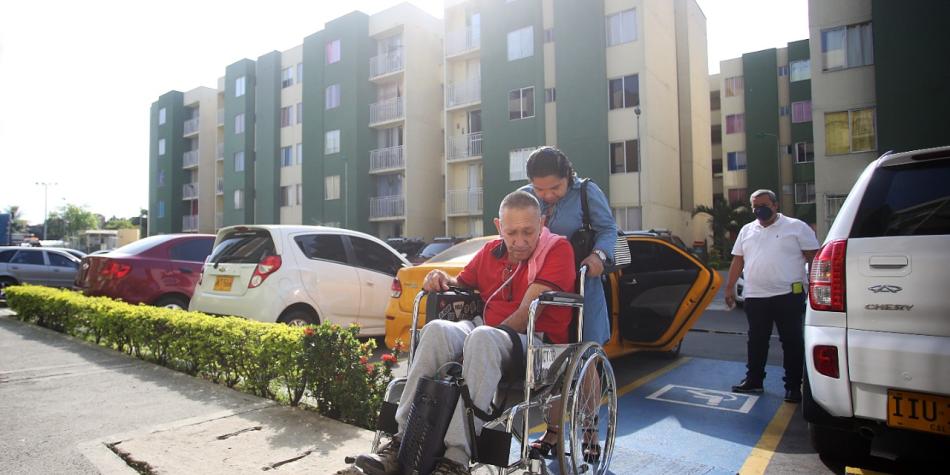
(561,297)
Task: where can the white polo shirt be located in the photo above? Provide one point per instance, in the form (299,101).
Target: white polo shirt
(773,255)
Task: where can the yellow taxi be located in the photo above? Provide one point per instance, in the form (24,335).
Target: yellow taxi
(653,302)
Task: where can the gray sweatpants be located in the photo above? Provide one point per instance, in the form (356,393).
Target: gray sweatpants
(484,352)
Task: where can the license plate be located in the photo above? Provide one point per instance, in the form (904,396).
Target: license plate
(918,411)
(222,283)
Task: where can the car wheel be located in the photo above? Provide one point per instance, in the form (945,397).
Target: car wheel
(172,301)
(838,445)
(298,318)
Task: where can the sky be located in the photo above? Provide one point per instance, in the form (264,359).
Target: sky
(77,78)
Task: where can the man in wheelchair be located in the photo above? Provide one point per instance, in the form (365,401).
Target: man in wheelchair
(509,274)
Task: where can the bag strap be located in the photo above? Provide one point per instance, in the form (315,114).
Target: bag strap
(517,368)
(585,208)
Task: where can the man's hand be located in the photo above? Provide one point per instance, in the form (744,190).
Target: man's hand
(438,281)
(730,298)
(595,266)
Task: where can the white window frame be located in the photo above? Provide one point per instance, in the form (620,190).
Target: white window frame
(161,147)
(521,43)
(745,161)
(238,161)
(803,117)
(799,70)
(161,209)
(733,86)
(628,218)
(809,190)
(610,157)
(161,116)
(331,188)
(331,96)
(161,177)
(287,77)
(240,86)
(626,21)
(522,93)
(331,143)
(851,131)
(299,73)
(299,155)
(550,95)
(623,92)
(334,51)
(784,111)
(739,117)
(801,148)
(287,116)
(517,163)
(239,126)
(287,156)
(844,46)
(299,112)
(298,194)
(238,199)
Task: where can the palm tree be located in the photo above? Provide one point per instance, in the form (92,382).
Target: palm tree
(725,218)
(17,224)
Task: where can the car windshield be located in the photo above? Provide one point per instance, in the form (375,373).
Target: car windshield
(434,248)
(467,248)
(142,245)
(243,247)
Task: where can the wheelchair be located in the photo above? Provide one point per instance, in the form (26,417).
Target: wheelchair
(574,381)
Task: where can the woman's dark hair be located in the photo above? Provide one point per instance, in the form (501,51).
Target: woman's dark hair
(547,161)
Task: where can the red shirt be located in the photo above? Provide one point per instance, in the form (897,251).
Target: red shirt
(490,268)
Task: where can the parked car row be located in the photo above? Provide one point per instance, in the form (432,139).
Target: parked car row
(53,267)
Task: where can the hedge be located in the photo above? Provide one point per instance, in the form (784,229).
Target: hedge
(322,366)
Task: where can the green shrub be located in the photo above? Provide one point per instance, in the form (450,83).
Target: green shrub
(325,365)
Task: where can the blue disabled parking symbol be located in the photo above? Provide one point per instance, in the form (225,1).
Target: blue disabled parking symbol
(708,398)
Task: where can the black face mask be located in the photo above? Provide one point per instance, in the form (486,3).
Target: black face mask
(763,213)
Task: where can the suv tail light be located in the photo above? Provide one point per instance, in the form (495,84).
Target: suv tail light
(826,360)
(826,285)
(396,289)
(266,267)
(116,270)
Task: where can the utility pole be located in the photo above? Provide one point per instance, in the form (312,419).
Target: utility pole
(636,110)
(45,186)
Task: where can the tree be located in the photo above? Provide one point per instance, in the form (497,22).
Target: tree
(118,223)
(75,219)
(725,218)
(17,223)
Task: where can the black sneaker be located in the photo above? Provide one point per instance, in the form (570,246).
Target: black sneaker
(793,395)
(384,462)
(747,387)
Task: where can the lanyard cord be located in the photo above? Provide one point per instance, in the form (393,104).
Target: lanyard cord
(488,300)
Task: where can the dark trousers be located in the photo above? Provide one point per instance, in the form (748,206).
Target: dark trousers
(785,312)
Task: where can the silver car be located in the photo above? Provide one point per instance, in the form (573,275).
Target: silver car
(38,266)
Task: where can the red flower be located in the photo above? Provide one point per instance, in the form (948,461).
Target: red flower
(369,368)
(363,360)
(390,358)
(308,331)
(398,346)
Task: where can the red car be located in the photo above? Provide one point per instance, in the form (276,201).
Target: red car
(158,270)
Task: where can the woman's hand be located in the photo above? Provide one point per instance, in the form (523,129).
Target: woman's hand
(595,266)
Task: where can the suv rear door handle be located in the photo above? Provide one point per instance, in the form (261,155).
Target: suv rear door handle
(888,262)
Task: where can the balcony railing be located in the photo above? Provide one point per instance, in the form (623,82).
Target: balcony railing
(218,220)
(189,222)
(387,158)
(461,147)
(386,110)
(219,151)
(189,191)
(189,159)
(463,92)
(191,126)
(387,207)
(464,201)
(219,188)
(386,63)
(462,41)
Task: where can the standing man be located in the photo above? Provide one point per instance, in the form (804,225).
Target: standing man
(772,251)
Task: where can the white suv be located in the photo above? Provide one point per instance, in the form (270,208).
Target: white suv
(877,327)
(299,275)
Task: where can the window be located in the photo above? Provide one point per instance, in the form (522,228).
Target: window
(628,218)
(194,250)
(735,124)
(29,257)
(738,195)
(801,112)
(521,103)
(59,260)
(239,161)
(238,199)
(161,178)
(5,256)
(550,95)
(300,72)
(299,153)
(784,111)
(521,43)
(332,98)
(331,190)
(161,147)
(736,161)
(287,77)
(286,156)
(161,116)
(623,157)
(624,92)
(328,247)
(161,209)
(734,86)
(331,142)
(333,51)
(847,47)
(717,166)
(850,131)
(239,123)
(288,196)
(804,193)
(549,35)
(799,70)
(622,27)
(783,70)
(804,152)
(239,86)
(716,132)
(517,162)
(375,257)
(715,102)
(286,116)
(300,112)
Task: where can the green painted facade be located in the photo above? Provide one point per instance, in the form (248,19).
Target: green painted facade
(169,164)
(500,76)
(911,73)
(266,126)
(580,66)
(759,70)
(243,142)
(802,132)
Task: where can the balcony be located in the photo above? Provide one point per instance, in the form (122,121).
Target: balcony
(463,93)
(189,191)
(386,63)
(461,41)
(191,127)
(219,152)
(386,110)
(219,188)
(387,159)
(189,223)
(387,207)
(464,147)
(189,159)
(466,201)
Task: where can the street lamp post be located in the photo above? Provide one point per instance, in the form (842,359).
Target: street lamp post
(45,186)
(636,111)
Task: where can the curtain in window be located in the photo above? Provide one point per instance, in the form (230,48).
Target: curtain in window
(836,133)
(631,90)
(514,105)
(614,30)
(862,130)
(616,93)
(631,154)
(832,48)
(616,158)
(860,50)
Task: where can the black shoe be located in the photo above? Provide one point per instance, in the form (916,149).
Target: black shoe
(746,387)
(793,395)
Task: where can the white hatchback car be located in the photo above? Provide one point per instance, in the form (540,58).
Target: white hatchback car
(877,327)
(299,275)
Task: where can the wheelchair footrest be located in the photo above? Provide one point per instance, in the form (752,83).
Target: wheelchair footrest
(494,447)
(386,421)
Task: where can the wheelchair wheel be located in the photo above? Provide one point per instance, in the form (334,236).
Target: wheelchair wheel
(588,413)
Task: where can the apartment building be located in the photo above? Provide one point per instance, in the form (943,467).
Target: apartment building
(333,131)
(762,133)
(578,75)
(879,83)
